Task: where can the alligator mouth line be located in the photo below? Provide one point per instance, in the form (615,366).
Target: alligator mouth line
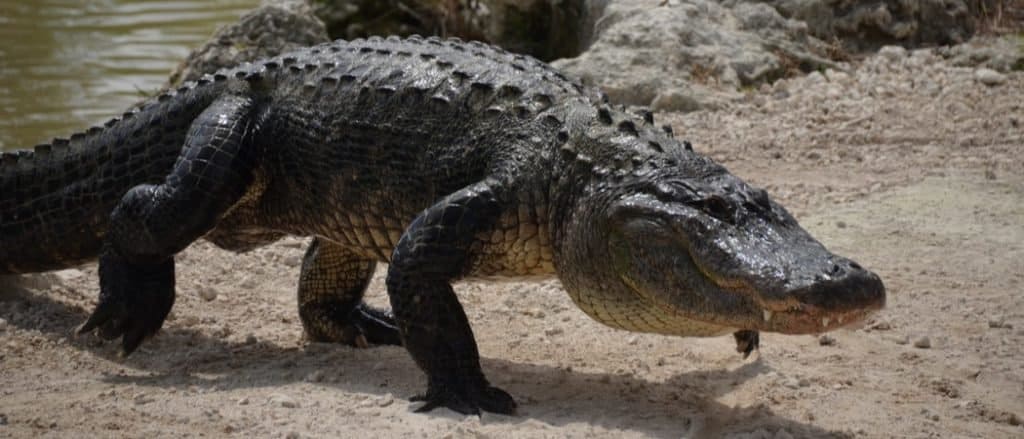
(787,315)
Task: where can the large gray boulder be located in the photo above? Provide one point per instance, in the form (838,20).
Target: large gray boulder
(868,25)
(277,26)
(546,29)
(683,55)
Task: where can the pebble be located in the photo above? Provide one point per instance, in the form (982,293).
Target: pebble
(997,323)
(3,419)
(386,400)
(841,224)
(552,331)
(208,293)
(792,383)
(3,325)
(284,401)
(142,399)
(250,339)
(292,435)
(893,53)
(292,261)
(243,400)
(315,376)
(923,342)
(826,340)
(989,77)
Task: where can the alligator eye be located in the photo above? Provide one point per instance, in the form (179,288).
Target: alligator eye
(718,208)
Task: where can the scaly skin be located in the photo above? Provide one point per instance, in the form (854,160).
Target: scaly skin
(446,160)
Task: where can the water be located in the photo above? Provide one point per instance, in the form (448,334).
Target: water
(68,64)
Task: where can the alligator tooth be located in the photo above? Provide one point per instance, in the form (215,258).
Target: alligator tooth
(824,321)
(767,315)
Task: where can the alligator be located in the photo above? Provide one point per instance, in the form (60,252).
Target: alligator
(445,160)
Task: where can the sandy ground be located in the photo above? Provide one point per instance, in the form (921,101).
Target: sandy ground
(907,165)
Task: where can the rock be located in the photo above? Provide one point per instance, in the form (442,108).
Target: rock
(687,99)
(869,25)
(315,376)
(386,400)
(273,28)
(283,401)
(243,400)
(989,77)
(826,340)
(3,325)
(791,383)
(208,293)
(1001,54)
(542,28)
(640,50)
(893,53)
(292,261)
(923,342)
(552,331)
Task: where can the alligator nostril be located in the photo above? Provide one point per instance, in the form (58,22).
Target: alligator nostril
(834,270)
(855,266)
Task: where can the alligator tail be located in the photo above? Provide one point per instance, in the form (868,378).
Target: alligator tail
(56,198)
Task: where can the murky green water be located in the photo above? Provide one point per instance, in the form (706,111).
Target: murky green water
(69,64)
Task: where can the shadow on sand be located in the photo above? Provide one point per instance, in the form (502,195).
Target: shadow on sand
(684,405)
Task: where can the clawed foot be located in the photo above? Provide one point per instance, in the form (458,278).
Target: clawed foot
(467,399)
(134,300)
(747,341)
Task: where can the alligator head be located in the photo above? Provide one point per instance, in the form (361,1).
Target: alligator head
(675,244)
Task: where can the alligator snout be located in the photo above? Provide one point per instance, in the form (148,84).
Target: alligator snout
(841,286)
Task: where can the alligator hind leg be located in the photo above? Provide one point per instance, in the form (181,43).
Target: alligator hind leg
(331,288)
(153,222)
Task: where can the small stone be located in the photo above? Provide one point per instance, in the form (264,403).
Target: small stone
(284,401)
(3,419)
(142,399)
(243,400)
(3,325)
(292,261)
(989,77)
(791,383)
(923,342)
(315,376)
(386,400)
(292,435)
(826,340)
(208,293)
(250,339)
(552,331)
(996,323)
(189,321)
(632,340)
(892,53)
(841,224)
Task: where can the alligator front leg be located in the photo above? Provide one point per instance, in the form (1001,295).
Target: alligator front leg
(153,222)
(747,341)
(432,253)
(331,288)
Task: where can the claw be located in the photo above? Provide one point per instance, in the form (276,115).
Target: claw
(134,301)
(470,402)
